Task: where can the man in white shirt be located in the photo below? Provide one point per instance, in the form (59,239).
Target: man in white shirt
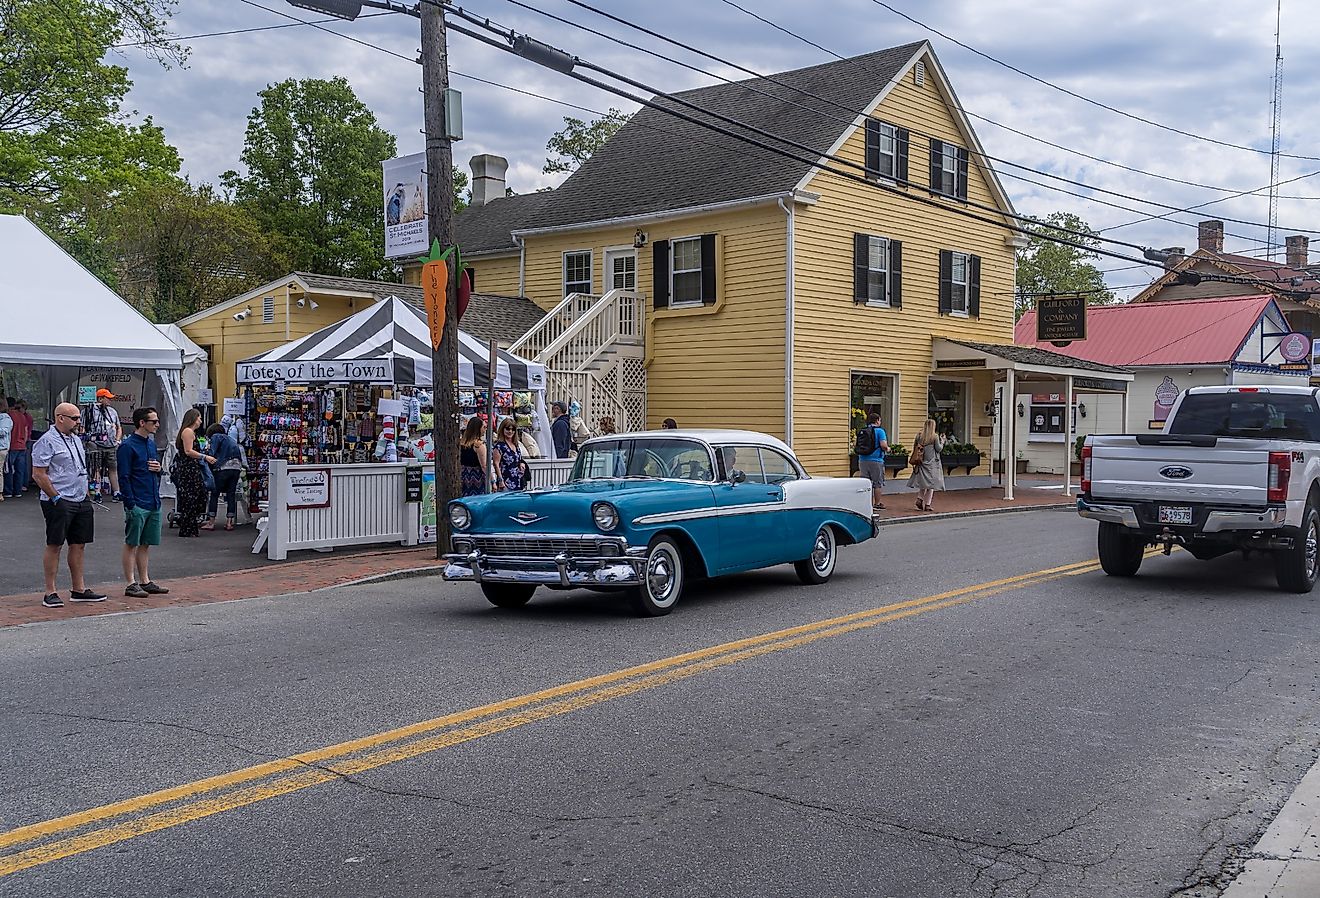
(104,434)
(59,468)
(6,432)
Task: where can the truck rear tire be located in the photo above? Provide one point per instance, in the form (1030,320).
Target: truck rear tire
(1120,553)
(1295,569)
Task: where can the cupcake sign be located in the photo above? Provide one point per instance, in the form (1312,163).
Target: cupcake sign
(1165,396)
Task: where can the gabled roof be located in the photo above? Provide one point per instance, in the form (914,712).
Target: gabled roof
(488,317)
(657,163)
(1274,276)
(1043,358)
(489,228)
(1174,332)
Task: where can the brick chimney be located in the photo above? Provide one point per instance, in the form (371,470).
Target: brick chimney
(1299,250)
(1210,236)
(488,178)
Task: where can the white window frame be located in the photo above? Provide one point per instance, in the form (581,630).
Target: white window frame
(890,172)
(884,256)
(674,302)
(949,168)
(965,283)
(607,259)
(591,263)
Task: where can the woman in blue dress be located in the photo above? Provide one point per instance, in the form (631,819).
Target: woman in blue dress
(510,468)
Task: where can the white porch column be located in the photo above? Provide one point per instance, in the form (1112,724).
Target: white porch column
(1067,434)
(1010,463)
(1126,387)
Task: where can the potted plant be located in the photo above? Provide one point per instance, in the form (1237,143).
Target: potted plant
(1077,456)
(960,455)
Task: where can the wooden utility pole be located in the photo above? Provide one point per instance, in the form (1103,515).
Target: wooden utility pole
(440,220)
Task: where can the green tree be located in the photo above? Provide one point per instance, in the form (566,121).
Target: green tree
(1047,266)
(313,152)
(574,144)
(64,137)
(172,249)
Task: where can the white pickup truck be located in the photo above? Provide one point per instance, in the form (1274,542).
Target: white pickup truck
(1235,468)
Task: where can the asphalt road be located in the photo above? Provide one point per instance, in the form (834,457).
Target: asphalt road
(1055,734)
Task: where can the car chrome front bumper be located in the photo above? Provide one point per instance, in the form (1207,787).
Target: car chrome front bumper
(564,569)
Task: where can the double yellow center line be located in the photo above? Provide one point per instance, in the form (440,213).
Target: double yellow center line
(122,820)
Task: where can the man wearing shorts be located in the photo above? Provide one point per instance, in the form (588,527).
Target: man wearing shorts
(59,468)
(139,481)
(872,466)
(104,434)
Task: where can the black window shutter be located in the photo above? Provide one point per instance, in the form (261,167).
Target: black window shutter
(961,187)
(872,146)
(861,266)
(707,269)
(896,274)
(936,165)
(974,286)
(660,273)
(946,281)
(901,162)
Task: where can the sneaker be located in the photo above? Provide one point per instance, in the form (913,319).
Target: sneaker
(85,596)
(117,497)
(53,601)
(135,591)
(152,589)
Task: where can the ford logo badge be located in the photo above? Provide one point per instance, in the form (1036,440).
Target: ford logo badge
(1176,472)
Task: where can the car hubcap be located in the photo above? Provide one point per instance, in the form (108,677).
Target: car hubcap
(661,576)
(1312,544)
(822,556)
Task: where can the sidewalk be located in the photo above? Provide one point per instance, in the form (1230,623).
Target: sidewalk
(318,572)
(1041,491)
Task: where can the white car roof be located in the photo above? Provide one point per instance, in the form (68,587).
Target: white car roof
(1263,388)
(712,436)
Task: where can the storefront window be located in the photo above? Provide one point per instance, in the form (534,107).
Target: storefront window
(947,403)
(874,393)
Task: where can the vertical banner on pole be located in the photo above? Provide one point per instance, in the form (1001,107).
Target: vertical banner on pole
(492,370)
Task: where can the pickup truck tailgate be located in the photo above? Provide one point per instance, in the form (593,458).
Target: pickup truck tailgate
(1229,472)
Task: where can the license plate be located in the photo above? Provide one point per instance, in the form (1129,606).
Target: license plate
(1175,514)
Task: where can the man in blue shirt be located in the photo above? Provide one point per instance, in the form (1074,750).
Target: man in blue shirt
(139,481)
(872,465)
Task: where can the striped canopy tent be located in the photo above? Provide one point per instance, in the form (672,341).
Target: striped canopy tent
(389,342)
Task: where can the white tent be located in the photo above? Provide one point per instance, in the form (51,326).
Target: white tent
(195,375)
(59,313)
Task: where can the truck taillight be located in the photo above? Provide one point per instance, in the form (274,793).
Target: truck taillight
(1086,469)
(1280,470)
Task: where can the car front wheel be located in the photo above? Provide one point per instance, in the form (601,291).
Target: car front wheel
(819,566)
(508,595)
(662,579)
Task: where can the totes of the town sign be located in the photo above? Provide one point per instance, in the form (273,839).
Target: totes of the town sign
(377,372)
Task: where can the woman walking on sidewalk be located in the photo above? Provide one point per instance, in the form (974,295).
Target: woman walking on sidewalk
(188,481)
(927,474)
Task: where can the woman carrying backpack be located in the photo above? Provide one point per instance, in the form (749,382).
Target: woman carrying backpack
(927,466)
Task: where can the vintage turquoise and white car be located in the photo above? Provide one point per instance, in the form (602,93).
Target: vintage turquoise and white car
(646,512)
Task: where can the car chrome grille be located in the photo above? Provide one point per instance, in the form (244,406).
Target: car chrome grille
(532,546)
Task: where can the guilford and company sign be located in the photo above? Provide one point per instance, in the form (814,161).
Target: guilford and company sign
(1060,319)
(368,372)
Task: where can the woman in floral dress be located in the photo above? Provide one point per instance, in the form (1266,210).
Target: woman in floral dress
(510,467)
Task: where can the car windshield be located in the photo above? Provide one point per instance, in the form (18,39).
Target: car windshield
(1279,416)
(675,459)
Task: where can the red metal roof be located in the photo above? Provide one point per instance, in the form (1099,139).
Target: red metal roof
(1174,332)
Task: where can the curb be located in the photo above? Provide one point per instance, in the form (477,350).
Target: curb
(408,574)
(910,519)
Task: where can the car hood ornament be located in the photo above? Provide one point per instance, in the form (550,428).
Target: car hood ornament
(526,518)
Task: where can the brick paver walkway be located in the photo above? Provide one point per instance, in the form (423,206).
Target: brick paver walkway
(902,506)
(270,580)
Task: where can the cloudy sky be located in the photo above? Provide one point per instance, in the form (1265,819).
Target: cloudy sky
(1204,67)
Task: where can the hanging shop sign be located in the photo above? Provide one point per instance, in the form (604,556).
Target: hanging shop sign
(405,205)
(378,371)
(1295,347)
(309,488)
(1060,319)
(234,405)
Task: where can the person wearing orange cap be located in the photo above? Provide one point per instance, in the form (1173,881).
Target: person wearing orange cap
(104,434)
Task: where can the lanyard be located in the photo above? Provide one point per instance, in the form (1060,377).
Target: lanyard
(76,457)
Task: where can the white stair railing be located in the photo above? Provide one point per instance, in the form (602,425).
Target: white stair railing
(531,344)
(596,399)
(618,317)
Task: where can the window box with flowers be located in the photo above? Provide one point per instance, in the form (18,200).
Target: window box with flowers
(960,455)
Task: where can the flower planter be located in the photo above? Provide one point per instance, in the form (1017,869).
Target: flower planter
(966,460)
(892,467)
(998,466)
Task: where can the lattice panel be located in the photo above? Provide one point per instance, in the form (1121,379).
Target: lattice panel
(632,392)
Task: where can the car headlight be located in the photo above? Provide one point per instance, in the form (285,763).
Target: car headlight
(605,516)
(459,517)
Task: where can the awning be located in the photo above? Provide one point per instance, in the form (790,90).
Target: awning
(59,313)
(388,343)
(964,356)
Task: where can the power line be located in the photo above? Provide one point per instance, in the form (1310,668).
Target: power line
(1083,98)
(346,37)
(195,37)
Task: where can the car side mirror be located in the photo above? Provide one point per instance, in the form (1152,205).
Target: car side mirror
(736,476)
